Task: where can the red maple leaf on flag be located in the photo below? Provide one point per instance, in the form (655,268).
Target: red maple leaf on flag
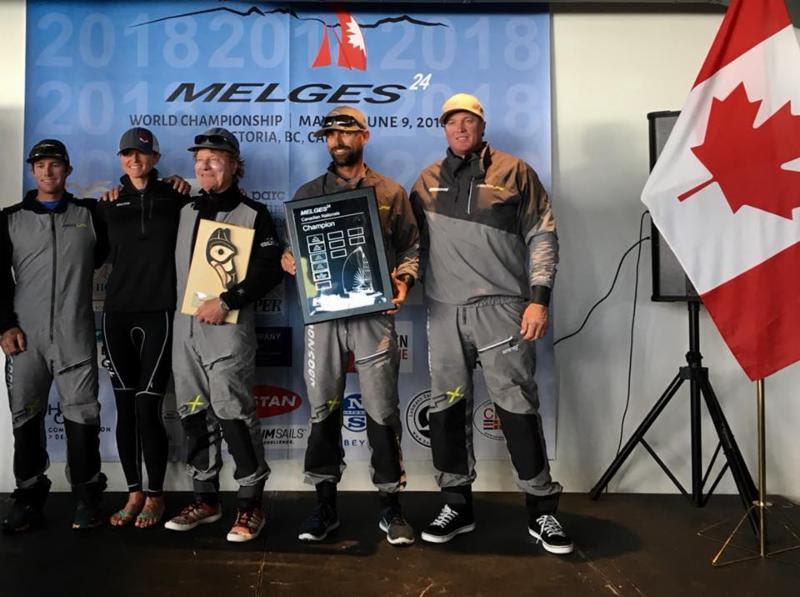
(352,49)
(746,161)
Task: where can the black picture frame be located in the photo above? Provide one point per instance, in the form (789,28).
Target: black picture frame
(338,247)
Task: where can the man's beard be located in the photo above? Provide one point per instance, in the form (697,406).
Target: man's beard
(350,157)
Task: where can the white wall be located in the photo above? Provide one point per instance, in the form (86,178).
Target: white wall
(609,70)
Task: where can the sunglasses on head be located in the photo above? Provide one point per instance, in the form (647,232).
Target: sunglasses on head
(334,121)
(212,139)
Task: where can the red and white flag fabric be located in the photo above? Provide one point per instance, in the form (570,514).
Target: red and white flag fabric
(725,192)
(352,49)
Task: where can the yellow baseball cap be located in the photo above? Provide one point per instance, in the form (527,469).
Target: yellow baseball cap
(461,102)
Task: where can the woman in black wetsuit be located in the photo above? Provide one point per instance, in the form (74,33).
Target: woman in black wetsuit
(137,320)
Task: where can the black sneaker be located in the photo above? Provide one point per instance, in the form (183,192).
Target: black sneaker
(397,529)
(26,512)
(322,521)
(552,536)
(447,525)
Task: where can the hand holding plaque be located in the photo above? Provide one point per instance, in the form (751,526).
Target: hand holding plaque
(219,261)
(339,255)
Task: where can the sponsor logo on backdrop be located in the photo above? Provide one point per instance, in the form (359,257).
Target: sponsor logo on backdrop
(284,435)
(100,280)
(417,418)
(272,303)
(405,338)
(354,442)
(274,347)
(267,195)
(54,422)
(487,422)
(353,415)
(273,401)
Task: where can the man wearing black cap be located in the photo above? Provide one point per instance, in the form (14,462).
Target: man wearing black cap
(371,339)
(52,244)
(137,319)
(214,362)
(490,252)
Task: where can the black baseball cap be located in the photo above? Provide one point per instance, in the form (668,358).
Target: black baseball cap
(48,148)
(216,138)
(140,139)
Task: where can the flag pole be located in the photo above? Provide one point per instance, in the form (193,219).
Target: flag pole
(762,468)
(762,506)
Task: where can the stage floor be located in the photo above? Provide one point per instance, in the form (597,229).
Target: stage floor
(625,545)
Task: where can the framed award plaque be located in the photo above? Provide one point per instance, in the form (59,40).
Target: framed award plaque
(339,252)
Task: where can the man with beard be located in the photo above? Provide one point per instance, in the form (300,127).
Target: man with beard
(490,253)
(370,338)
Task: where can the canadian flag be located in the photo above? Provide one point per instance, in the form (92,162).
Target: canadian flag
(725,191)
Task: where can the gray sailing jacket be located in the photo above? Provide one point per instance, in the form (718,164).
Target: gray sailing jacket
(263,273)
(52,254)
(486,228)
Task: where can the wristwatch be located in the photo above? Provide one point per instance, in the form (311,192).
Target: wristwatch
(224,305)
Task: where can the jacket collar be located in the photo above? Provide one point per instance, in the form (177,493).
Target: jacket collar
(31,203)
(225,201)
(127,185)
(477,162)
(335,182)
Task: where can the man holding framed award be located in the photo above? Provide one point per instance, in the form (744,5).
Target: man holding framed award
(337,262)
(227,256)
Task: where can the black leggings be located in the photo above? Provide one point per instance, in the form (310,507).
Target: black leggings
(138,347)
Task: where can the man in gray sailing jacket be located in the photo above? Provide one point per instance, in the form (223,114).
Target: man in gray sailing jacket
(371,339)
(489,254)
(213,362)
(50,244)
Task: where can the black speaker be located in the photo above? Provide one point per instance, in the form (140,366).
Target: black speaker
(670,283)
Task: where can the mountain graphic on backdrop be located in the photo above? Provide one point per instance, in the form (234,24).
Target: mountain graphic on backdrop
(349,37)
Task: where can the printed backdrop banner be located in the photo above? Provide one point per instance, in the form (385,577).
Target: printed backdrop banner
(268,73)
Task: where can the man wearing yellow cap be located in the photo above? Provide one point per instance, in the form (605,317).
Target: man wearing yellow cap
(489,254)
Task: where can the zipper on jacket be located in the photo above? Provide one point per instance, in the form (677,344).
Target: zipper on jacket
(141,212)
(469,195)
(508,340)
(53,277)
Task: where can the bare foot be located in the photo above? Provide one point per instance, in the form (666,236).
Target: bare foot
(129,511)
(152,512)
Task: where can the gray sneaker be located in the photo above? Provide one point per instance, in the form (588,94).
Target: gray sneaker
(397,529)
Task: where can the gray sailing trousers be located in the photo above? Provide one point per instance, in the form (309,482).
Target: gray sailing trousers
(373,342)
(488,331)
(29,376)
(213,388)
